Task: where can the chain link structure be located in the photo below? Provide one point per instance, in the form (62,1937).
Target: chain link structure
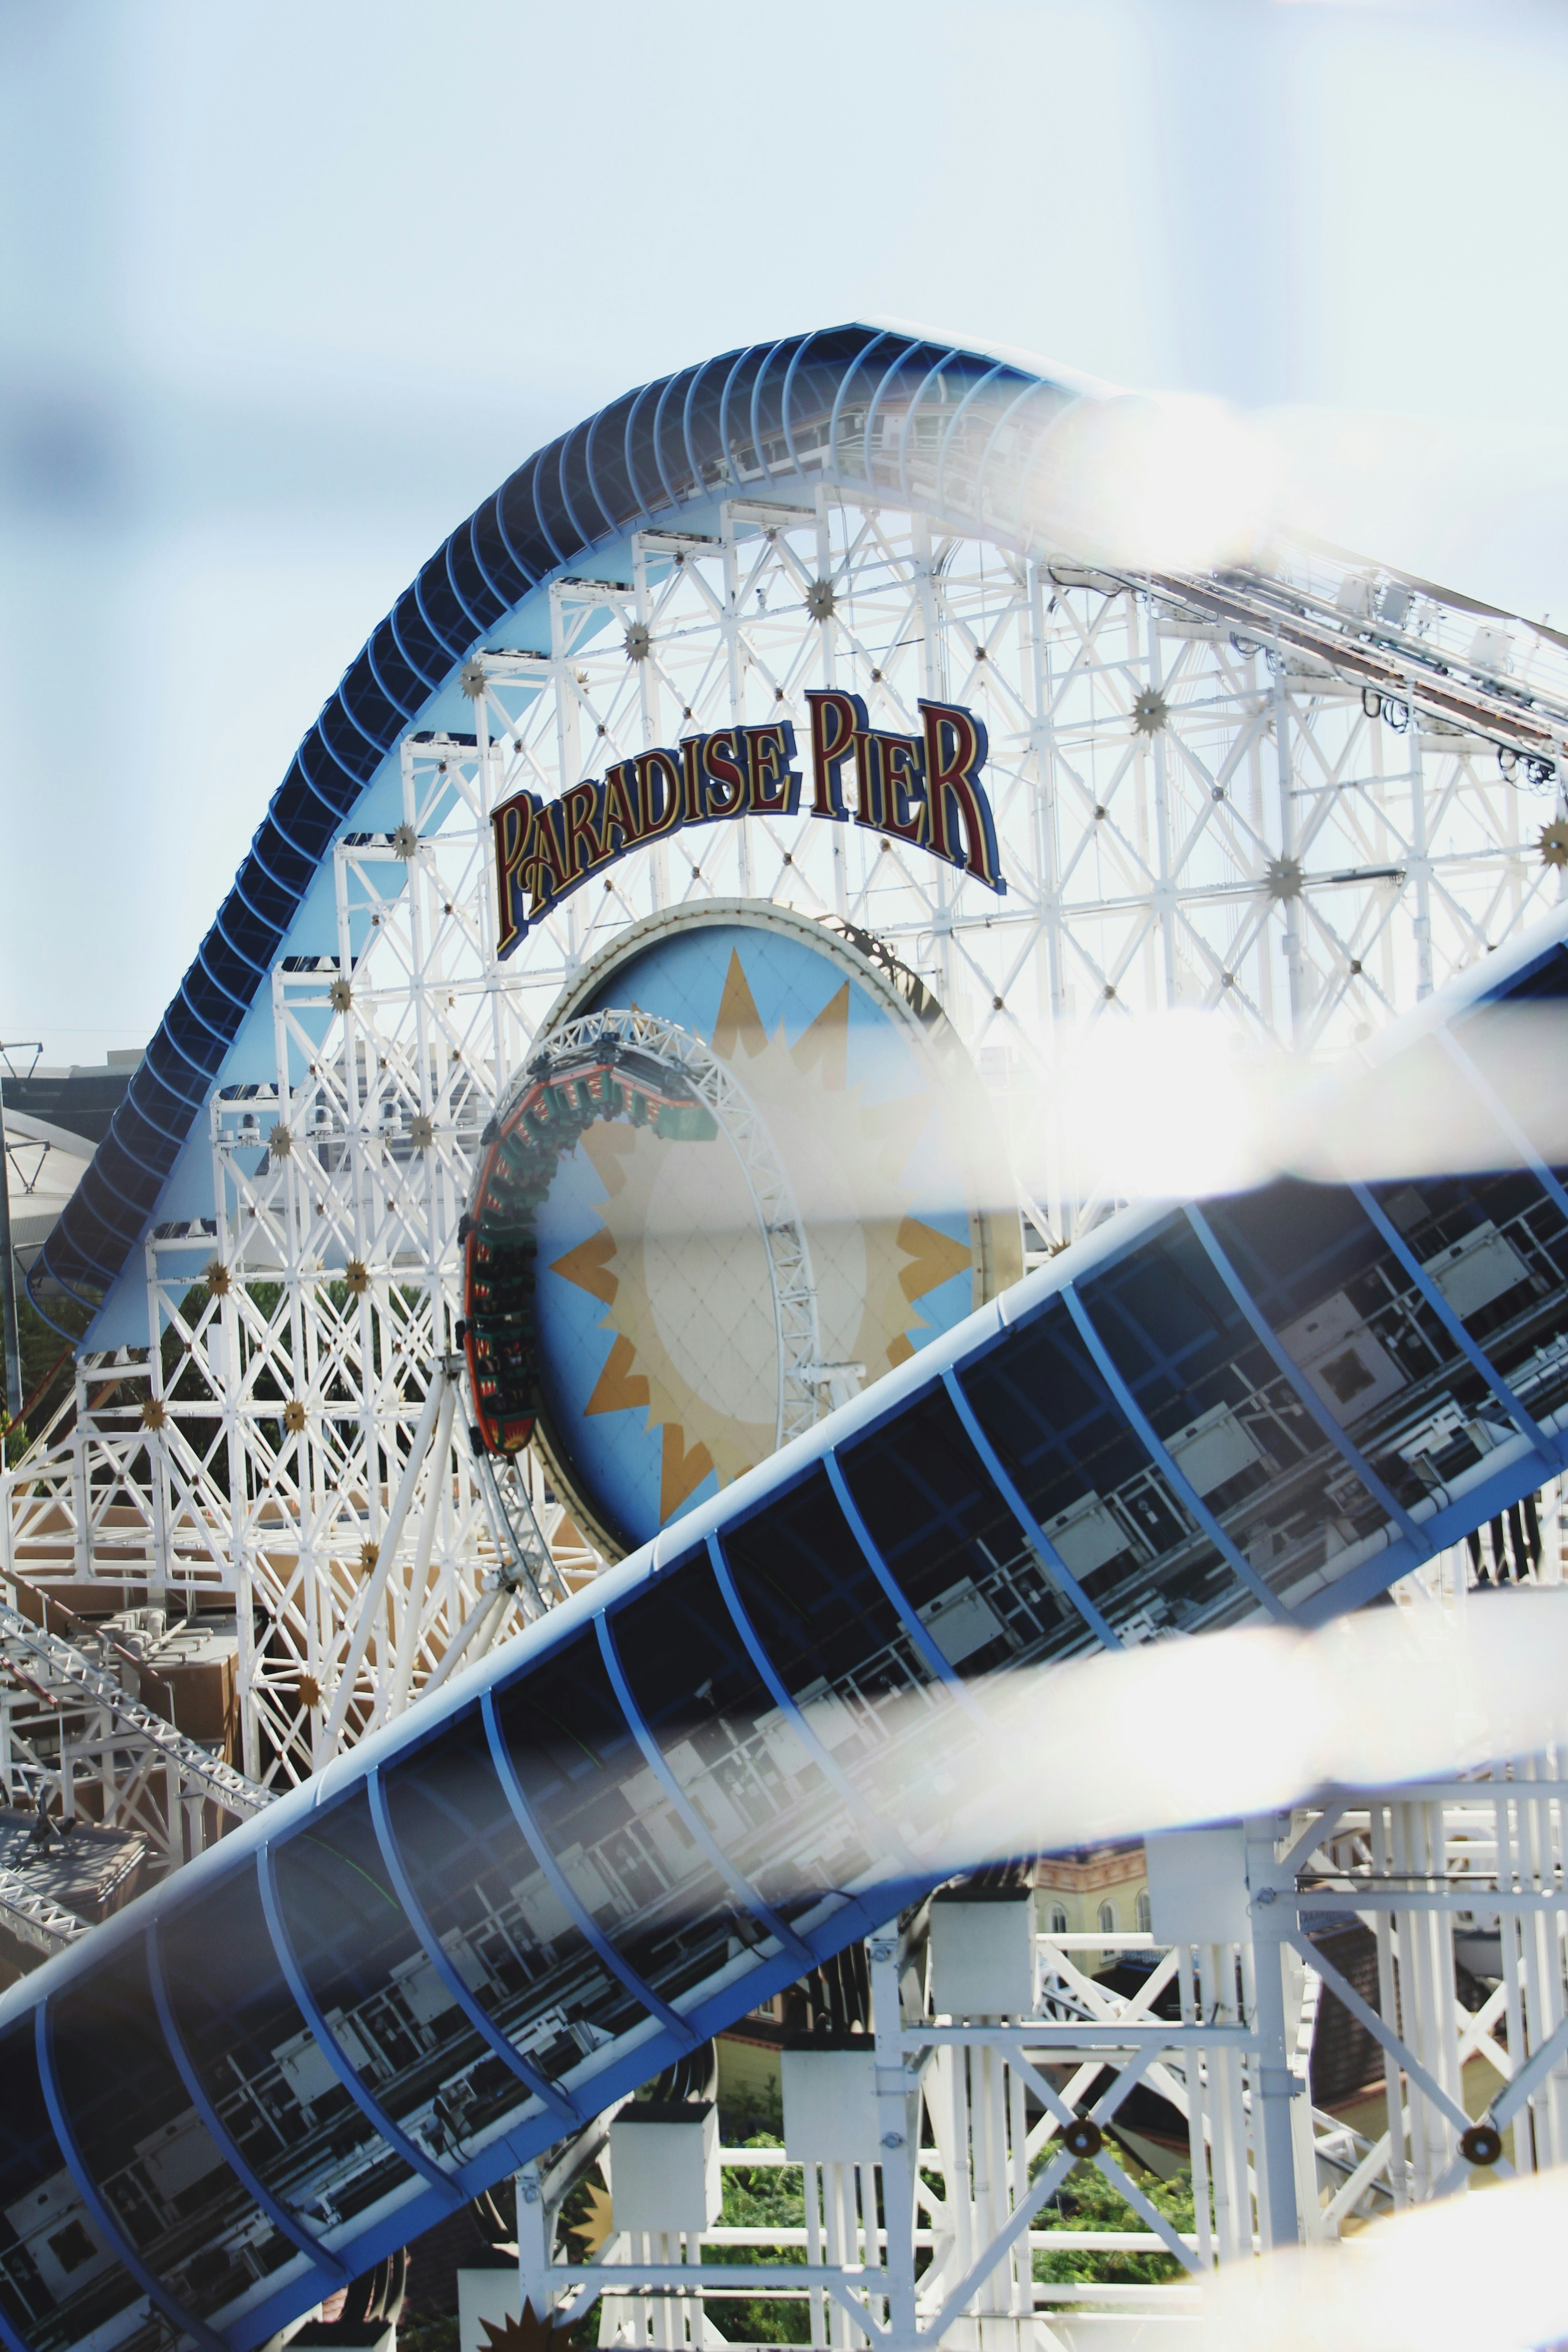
(1299,798)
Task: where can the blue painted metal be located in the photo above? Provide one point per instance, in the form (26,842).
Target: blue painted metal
(322,2257)
(1163,1460)
(441,1961)
(740,1886)
(104,2222)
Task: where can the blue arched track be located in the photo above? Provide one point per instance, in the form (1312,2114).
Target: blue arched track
(946,431)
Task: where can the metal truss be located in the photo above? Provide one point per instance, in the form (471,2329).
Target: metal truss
(981,2122)
(75,1743)
(34,1918)
(1300,799)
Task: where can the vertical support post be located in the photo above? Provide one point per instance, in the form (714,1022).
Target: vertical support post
(1274,2082)
(533,2236)
(897,2123)
(1420,856)
(8,1281)
(1285,773)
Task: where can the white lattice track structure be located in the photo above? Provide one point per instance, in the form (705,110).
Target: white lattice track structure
(1200,799)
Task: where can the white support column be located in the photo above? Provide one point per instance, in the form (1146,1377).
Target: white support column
(1275,2084)
(898,2118)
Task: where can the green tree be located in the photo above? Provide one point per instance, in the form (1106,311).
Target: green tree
(762,2197)
(1086,2200)
(45,1366)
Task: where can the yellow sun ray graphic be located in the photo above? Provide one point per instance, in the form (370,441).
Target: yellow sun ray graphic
(681,1270)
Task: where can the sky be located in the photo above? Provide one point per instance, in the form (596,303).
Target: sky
(286,288)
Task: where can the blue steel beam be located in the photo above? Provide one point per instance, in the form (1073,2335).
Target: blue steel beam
(630,1824)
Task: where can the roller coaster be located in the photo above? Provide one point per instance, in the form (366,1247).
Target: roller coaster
(437,1954)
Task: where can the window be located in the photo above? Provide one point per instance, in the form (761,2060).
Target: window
(1107,1919)
(1145,1914)
(1059,1918)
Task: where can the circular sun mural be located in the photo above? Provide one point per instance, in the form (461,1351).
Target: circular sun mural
(656,1303)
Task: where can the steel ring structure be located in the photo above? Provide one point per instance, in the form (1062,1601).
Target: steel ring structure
(627,706)
(602,1066)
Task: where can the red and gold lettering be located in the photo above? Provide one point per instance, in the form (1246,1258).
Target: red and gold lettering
(837,720)
(514,824)
(894,786)
(580,820)
(773,786)
(955,750)
(619,828)
(691,778)
(660,792)
(723,778)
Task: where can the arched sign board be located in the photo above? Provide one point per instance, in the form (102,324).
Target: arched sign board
(616,1228)
(924,789)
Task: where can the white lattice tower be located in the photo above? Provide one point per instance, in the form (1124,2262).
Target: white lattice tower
(1194,807)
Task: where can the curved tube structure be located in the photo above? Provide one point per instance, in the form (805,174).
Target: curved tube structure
(621,1832)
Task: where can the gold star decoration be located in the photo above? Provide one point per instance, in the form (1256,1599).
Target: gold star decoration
(596,2222)
(310,1691)
(216,1276)
(294,1415)
(528,2334)
(153,1413)
(1554,842)
(356,1276)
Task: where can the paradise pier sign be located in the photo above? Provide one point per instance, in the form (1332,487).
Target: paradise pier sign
(924,789)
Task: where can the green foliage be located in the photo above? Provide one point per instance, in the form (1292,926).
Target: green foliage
(762,2197)
(1086,2200)
(745,2120)
(433,2334)
(42,1368)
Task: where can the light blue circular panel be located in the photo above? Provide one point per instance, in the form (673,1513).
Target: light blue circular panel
(655,1305)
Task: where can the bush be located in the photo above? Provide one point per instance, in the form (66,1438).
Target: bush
(1086,2200)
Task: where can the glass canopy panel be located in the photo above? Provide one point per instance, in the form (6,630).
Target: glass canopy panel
(837,1641)
(272,2085)
(60,2283)
(1079,1467)
(623,1848)
(1233,1424)
(953,1543)
(163,2176)
(737,1755)
(505,1928)
(406,2038)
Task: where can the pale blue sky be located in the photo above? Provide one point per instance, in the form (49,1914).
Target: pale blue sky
(286,288)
